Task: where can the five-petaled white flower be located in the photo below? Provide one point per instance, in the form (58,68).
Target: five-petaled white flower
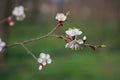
(43,60)
(60,17)
(73,32)
(18,11)
(74,44)
(2,45)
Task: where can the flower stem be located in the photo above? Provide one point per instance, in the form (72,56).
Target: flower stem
(28,51)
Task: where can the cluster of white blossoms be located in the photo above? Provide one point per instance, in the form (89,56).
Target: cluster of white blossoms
(18,11)
(2,45)
(43,60)
(72,42)
(71,33)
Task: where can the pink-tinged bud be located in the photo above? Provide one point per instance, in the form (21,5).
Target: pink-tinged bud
(40,67)
(11,23)
(9,19)
(84,39)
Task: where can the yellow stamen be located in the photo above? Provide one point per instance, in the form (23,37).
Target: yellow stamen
(75,36)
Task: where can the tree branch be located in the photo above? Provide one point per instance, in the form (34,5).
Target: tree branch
(34,39)
(2,21)
(28,51)
(5,19)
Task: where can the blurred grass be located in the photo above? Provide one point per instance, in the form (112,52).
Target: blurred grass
(76,66)
(102,64)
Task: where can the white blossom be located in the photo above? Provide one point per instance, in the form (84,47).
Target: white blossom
(18,11)
(60,17)
(44,59)
(74,44)
(2,45)
(73,32)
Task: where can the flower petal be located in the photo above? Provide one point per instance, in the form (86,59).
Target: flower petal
(42,55)
(73,32)
(60,17)
(80,41)
(84,38)
(2,44)
(19,12)
(47,56)
(49,61)
(40,60)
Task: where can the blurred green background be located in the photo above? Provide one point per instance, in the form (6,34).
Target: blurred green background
(99,21)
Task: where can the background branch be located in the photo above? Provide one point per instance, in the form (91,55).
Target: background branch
(2,21)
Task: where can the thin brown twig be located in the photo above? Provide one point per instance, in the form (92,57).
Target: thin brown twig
(5,19)
(97,46)
(34,39)
(37,38)
(22,44)
(53,30)
(59,36)
(28,51)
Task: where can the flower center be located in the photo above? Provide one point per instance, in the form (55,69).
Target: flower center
(76,43)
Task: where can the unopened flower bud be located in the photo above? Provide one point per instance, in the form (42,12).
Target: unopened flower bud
(67,36)
(11,23)
(84,39)
(9,19)
(40,67)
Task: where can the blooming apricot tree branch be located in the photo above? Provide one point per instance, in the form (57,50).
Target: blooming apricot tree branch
(71,37)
